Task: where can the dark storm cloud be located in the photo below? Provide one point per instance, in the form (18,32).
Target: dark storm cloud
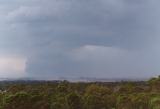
(110,23)
(82,37)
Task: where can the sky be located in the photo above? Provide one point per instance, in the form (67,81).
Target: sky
(49,39)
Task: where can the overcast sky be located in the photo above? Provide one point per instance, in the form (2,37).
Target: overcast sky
(79,38)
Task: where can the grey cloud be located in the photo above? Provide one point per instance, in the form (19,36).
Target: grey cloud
(109,61)
(48,31)
(81,20)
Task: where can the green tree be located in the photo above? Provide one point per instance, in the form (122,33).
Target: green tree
(74,101)
(155,102)
(94,97)
(20,100)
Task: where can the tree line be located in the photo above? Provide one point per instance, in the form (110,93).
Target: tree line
(66,95)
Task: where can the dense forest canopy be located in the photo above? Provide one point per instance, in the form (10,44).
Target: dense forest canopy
(80,95)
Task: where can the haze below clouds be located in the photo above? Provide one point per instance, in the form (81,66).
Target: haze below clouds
(79,38)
